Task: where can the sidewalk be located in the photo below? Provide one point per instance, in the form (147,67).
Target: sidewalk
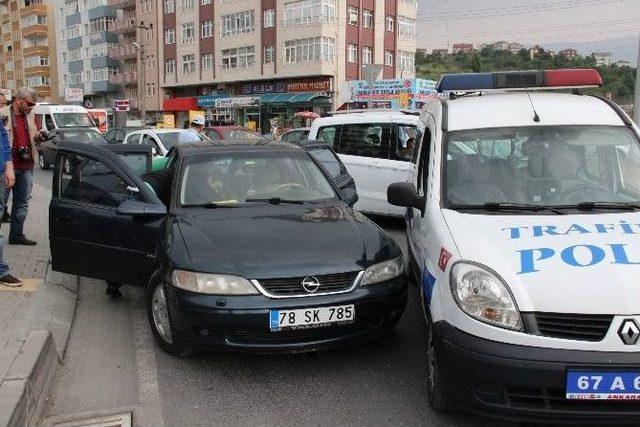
(35,320)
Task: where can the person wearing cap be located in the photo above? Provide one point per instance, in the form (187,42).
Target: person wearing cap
(193,133)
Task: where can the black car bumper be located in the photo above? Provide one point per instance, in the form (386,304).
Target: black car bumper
(525,383)
(242,322)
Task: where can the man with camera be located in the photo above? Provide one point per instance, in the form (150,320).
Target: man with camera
(23,133)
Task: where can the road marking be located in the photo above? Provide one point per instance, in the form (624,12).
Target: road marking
(146,366)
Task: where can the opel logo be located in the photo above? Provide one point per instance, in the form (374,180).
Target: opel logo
(310,284)
(629,332)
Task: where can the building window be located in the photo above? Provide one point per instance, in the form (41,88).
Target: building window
(207,62)
(353,53)
(311,49)
(367,55)
(150,62)
(150,89)
(76,78)
(99,25)
(207,29)
(205,2)
(188,33)
(73,32)
(170,36)
(170,66)
(188,5)
(37,81)
(390,23)
(30,20)
(406,26)
(75,55)
(409,2)
(388,58)
(269,18)
(269,55)
(406,62)
(367,18)
(242,57)
(169,6)
(189,64)
(238,23)
(352,15)
(102,74)
(305,12)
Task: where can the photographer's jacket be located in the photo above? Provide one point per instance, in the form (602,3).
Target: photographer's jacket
(22,132)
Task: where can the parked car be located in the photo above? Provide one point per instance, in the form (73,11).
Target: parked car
(294,135)
(160,140)
(116,135)
(231,132)
(47,148)
(377,148)
(256,248)
(523,237)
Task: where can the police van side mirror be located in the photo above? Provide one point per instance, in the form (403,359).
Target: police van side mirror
(404,194)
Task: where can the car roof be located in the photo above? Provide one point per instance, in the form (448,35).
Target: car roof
(224,146)
(76,129)
(515,109)
(384,116)
(152,130)
(298,130)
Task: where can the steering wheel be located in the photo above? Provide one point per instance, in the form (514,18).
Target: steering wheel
(584,192)
(290,186)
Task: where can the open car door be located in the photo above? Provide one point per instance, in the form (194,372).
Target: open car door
(104,221)
(334,167)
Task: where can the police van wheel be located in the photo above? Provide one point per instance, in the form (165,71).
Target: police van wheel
(158,314)
(438,398)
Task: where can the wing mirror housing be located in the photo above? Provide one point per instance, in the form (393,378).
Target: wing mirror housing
(404,194)
(140,209)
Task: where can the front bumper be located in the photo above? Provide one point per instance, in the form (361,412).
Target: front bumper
(525,383)
(242,322)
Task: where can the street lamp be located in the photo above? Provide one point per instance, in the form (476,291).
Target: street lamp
(141,77)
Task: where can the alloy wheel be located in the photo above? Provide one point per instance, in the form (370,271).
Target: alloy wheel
(161,314)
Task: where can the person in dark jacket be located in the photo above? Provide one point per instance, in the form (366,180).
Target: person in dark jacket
(8,176)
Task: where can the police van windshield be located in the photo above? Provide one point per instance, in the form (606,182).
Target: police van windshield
(545,166)
(65,120)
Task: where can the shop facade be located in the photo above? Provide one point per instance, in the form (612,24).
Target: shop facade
(388,93)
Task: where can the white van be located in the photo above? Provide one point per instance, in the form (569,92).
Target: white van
(522,228)
(376,147)
(50,117)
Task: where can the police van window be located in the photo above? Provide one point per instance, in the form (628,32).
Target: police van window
(406,141)
(89,181)
(423,165)
(328,134)
(551,166)
(133,138)
(366,140)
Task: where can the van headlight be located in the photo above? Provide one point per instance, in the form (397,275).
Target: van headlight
(483,295)
(215,284)
(380,272)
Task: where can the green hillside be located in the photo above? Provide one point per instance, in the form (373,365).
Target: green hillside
(619,81)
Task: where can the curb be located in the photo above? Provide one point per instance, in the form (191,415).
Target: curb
(23,391)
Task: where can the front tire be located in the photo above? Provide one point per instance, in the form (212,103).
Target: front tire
(436,394)
(160,322)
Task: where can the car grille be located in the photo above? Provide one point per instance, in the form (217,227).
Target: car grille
(554,399)
(292,286)
(583,327)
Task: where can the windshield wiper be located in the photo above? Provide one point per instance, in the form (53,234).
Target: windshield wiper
(211,205)
(589,206)
(276,201)
(503,206)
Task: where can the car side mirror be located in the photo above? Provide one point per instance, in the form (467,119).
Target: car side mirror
(404,194)
(140,209)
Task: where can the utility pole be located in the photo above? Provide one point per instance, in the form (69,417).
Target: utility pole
(141,71)
(636,102)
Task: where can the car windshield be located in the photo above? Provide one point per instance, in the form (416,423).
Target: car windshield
(83,136)
(66,120)
(241,134)
(240,177)
(546,166)
(170,139)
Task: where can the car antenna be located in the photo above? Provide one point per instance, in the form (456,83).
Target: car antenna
(536,117)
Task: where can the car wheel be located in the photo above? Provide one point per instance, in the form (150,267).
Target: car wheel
(41,163)
(438,398)
(160,322)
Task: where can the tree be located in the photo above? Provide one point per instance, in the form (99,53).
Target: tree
(476,64)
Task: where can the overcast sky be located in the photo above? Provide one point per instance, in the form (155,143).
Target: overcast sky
(613,25)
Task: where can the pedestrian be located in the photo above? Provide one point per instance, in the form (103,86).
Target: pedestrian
(5,194)
(23,133)
(192,134)
(8,178)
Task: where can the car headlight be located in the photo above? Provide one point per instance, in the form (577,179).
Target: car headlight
(483,295)
(386,270)
(216,284)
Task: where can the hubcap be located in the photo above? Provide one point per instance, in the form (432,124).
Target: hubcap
(160,314)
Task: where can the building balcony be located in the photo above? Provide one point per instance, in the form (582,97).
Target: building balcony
(38,9)
(35,50)
(123,26)
(121,4)
(124,79)
(37,30)
(123,52)
(37,70)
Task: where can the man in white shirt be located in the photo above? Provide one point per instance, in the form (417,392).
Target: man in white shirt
(192,134)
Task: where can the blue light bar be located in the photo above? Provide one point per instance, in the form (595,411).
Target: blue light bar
(465,82)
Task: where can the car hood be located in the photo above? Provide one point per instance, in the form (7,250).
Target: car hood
(261,241)
(571,263)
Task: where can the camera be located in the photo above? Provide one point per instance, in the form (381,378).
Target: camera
(24,153)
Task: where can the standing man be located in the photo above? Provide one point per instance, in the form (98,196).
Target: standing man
(192,134)
(4,195)
(8,179)
(22,135)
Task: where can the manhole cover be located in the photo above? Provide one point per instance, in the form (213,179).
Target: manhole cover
(116,420)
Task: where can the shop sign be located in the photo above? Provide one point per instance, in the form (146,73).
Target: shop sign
(284,86)
(100,117)
(72,94)
(401,93)
(260,88)
(242,101)
(425,90)
(209,101)
(169,121)
(223,103)
(122,105)
(309,86)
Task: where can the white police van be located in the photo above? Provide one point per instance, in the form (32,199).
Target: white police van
(524,234)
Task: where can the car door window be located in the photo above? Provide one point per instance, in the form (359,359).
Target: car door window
(89,181)
(423,162)
(133,138)
(328,134)
(366,140)
(48,122)
(405,142)
(119,137)
(149,141)
(330,162)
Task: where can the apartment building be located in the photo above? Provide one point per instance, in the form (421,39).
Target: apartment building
(242,60)
(28,57)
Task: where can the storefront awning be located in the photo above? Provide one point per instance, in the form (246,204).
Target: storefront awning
(290,98)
